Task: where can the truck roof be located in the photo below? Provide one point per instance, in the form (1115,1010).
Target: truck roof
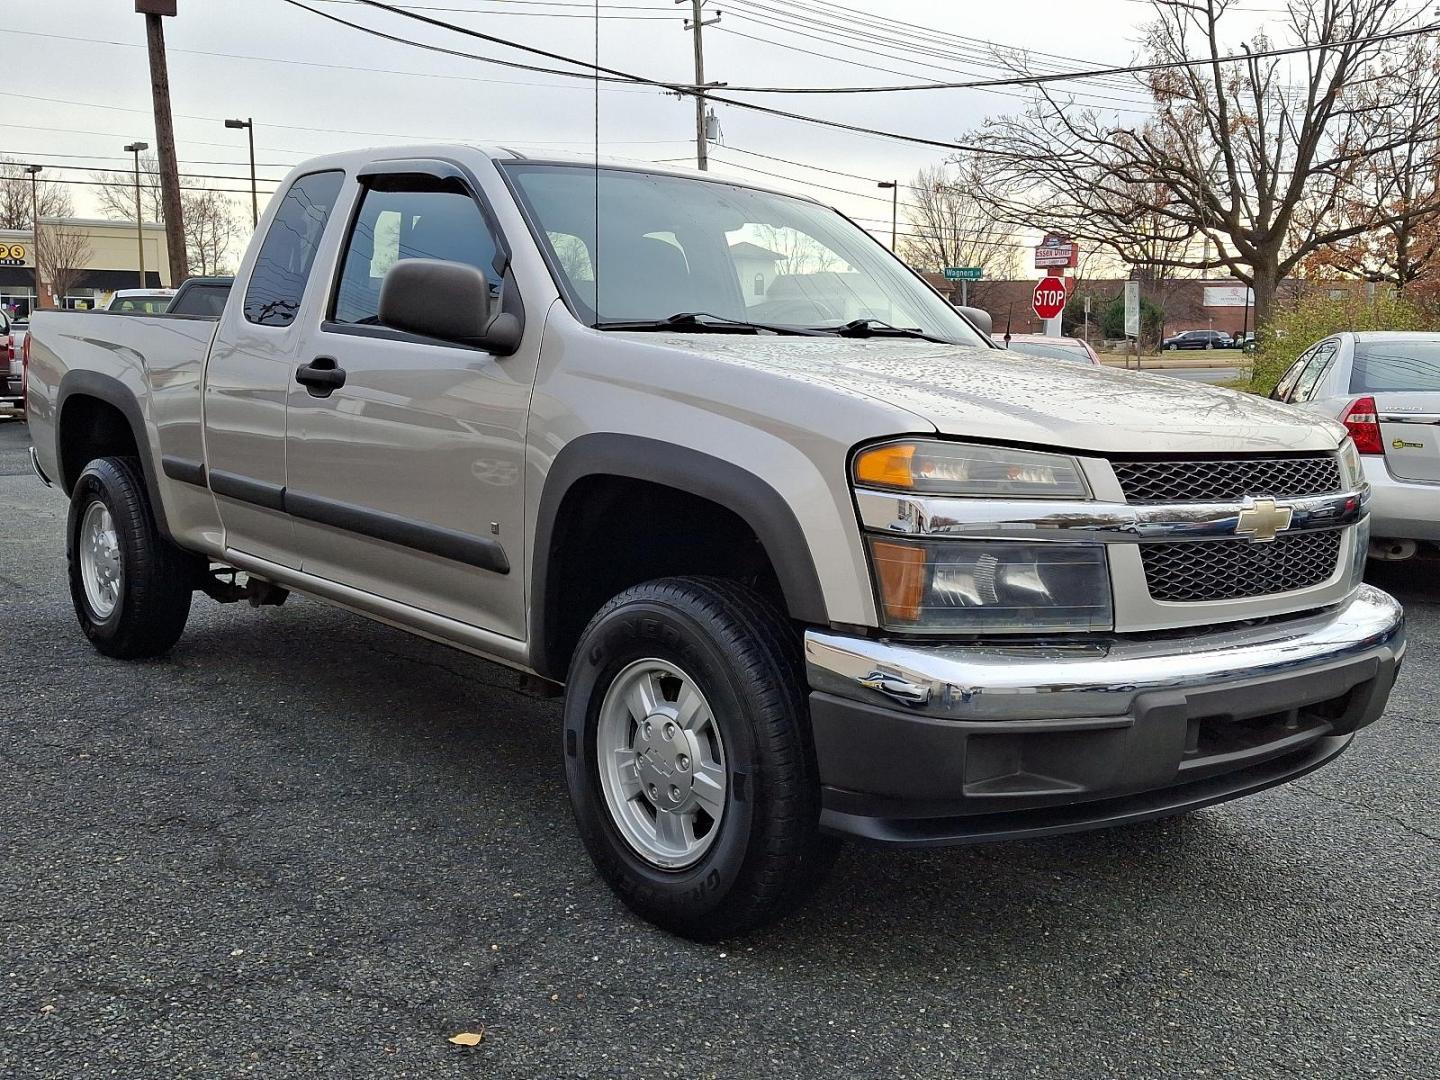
(350,160)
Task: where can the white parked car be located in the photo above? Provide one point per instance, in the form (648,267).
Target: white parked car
(1385,387)
(140,301)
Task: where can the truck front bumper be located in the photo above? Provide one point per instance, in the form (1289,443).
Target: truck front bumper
(922,744)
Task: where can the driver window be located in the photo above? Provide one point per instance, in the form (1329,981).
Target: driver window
(426,219)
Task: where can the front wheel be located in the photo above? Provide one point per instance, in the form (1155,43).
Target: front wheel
(689,757)
(130,586)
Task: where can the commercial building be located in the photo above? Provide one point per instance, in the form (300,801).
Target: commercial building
(106,256)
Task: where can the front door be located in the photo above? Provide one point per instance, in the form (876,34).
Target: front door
(407,479)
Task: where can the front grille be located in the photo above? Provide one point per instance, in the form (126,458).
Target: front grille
(1230,569)
(1191,480)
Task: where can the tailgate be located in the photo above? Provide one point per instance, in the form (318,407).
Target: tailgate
(1410,430)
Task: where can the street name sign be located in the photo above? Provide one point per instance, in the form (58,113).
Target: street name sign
(963,273)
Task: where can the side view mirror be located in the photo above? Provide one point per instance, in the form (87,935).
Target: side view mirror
(980,318)
(446,300)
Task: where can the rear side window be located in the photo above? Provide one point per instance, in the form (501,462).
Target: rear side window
(1395,365)
(1319,364)
(277,284)
(418,218)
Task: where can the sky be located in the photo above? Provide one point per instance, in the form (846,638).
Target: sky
(77,82)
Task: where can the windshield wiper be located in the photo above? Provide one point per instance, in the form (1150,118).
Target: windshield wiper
(863,328)
(700,322)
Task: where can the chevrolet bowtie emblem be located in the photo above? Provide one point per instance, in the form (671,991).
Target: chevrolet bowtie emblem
(1262,521)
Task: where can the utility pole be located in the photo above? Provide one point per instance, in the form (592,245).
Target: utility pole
(154,11)
(893,186)
(249,126)
(34,171)
(696,25)
(135,148)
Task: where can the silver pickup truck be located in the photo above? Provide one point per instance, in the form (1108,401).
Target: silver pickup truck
(810,557)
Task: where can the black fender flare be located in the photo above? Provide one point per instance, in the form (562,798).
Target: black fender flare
(113,392)
(722,482)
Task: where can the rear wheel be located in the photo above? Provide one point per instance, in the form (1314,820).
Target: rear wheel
(689,757)
(130,586)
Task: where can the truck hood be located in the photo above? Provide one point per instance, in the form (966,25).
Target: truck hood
(993,394)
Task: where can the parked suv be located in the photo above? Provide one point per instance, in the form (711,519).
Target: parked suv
(803,573)
(1199,339)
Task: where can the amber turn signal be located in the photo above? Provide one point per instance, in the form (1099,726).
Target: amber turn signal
(900,571)
(886,466)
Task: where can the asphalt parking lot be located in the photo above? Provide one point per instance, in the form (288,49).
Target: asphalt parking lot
(308,845)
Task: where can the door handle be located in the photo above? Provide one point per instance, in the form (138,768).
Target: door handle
(322,376)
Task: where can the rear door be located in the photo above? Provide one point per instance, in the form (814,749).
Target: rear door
(250,368)
(407,480)
(1402,374)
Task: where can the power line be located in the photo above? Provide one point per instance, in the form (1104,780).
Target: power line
(616,74)
(602,75)
(866,42)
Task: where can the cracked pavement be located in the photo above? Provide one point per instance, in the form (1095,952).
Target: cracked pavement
(305,844)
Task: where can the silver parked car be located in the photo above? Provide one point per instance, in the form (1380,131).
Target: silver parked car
(1385,387)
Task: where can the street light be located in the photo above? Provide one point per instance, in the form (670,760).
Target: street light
(893,187)
(135,148)
(34,171)
(249,127)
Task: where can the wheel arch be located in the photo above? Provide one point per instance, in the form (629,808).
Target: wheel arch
(695,474)
(78,387)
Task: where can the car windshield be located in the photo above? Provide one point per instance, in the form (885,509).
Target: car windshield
(1054,352)
(724,253)
(1395,365)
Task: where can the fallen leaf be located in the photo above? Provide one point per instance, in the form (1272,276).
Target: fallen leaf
(468,1038)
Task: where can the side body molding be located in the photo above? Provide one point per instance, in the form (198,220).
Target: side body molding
(113,392)
(637,458)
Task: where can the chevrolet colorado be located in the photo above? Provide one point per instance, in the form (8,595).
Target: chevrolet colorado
(811,558)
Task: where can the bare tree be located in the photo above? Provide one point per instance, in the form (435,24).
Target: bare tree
(1405,250)
(61,255)
(17,198)
(115,191)
(1254,157)
(211,230)
(212,226)
(949,226)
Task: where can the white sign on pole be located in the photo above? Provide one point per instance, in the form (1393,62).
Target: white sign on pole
(1132,309)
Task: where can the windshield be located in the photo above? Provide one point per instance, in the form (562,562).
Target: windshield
(671,245)
(1395,365)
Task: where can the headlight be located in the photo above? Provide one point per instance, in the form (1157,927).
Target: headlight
(980,586)
(945,468)
(1352,472)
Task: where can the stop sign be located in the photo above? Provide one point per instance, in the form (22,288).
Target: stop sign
(1049,297)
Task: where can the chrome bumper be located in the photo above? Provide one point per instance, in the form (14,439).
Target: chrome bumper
(1052,682)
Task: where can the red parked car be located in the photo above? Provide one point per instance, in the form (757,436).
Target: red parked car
(12,369)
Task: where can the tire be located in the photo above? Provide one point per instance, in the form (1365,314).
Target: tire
(764,853)
(1172,348)
(151,580)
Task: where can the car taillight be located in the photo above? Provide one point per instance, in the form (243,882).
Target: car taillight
(1363,423)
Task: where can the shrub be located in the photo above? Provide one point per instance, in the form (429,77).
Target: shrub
(1300,324)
